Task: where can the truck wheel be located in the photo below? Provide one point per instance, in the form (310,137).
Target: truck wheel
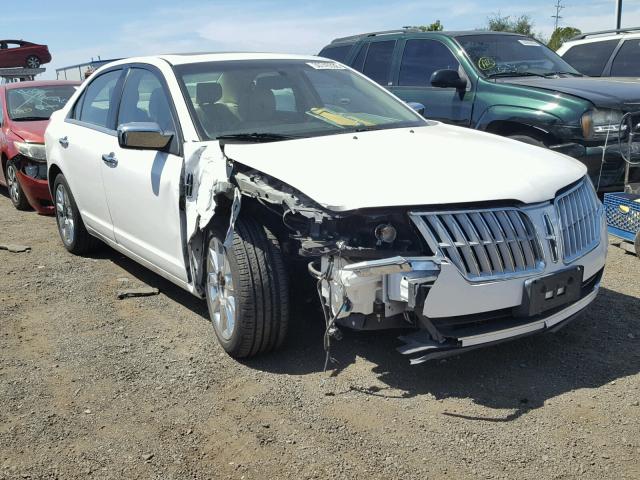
(71,228)
(32,62)
(16,194)
(247,289)
(527,139)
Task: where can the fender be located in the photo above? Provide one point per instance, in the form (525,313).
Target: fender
(531,117)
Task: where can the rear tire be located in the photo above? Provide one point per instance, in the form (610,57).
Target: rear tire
(16,194)
(32,62)
(247,290)
(71,228)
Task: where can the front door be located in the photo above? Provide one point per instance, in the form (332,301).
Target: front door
(143,186)
(420,58)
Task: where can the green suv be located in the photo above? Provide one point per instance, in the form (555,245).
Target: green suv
(506,84)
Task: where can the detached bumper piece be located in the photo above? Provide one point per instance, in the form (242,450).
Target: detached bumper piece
(465,333)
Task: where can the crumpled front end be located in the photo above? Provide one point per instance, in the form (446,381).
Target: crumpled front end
(496,273)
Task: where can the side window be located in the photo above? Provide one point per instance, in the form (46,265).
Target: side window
(423,57)
(377,65)
(590,58)
(145,100)
(1,113)
(338,53)
(96,100)
(627,61)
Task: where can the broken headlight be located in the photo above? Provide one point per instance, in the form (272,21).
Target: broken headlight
(598,124)
(34,151)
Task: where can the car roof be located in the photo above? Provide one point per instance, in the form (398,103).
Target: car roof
(38,83)
(594,38)
(186,58)
(419,33)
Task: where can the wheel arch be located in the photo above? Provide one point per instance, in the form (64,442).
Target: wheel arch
(54,171)
(507,128)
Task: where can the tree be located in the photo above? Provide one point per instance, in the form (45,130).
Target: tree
(434,27)
(522,24)
(561,35)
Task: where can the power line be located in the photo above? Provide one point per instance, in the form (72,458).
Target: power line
(557,16)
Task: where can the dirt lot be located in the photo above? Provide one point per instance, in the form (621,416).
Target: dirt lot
(95,387)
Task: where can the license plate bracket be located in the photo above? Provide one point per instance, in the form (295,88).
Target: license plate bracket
(551,291)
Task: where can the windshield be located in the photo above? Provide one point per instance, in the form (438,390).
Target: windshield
(286,99)
(37,103)
(512,55)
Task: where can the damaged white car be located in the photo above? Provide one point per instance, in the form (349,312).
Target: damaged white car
(224,172)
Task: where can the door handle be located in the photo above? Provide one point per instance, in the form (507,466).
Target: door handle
(64,141)
(110,159)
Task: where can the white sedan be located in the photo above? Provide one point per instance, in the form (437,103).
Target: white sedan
(224,172)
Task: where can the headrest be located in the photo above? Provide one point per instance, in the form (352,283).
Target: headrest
(208,92)
(273,82)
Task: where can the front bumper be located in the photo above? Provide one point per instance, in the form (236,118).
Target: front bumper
(606,172)
(453,313)
(37,193)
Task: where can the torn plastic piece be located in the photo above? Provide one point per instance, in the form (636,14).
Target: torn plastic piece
(235,211)
(14,248)
(137,292)
(384,266)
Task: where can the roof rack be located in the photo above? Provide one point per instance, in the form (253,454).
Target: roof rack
(603,32)
(375,34)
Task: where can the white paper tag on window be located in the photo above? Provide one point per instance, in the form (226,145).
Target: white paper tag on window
(529,43)
(326,65)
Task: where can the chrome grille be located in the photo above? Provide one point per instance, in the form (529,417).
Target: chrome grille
(579,220)
(483,244)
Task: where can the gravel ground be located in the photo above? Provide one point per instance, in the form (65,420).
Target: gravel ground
(95,387)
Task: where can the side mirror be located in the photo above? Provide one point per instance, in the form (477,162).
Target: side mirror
(448,79)
(418,107)
(143,135)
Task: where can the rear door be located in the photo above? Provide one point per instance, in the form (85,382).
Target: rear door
(419,58)
(89,131)
(143,186)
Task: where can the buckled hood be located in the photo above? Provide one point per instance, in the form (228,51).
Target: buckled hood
(430,165)
(616,93)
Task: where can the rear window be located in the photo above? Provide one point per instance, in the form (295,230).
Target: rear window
(627,61)
(377,65)
(590,58)
(338,53)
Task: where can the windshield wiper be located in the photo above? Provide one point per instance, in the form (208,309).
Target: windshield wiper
(515,74)
(551,74)
(254,137)
(29,119)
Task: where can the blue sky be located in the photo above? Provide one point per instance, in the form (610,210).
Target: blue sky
(78,30)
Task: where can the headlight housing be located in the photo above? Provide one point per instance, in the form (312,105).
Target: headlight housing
(598,123)
(34,151)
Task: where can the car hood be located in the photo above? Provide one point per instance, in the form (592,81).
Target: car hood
(30,131)
(430,165)
(618,93)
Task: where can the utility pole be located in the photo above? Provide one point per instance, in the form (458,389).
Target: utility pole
(557,16)
(618,14)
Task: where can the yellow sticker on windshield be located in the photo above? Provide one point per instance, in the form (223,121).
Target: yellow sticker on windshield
(339,119)
(486,63)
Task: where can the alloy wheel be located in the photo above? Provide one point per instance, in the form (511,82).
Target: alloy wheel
(12,184)
(221,294)
(33,62)
(64,214)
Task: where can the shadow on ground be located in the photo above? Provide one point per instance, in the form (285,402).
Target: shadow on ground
(595,349)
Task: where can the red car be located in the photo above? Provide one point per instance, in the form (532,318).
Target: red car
(18,53)
(25,109)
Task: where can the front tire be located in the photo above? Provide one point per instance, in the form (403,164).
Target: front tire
(71,228)
(247,290)
(528,139)
(16,194)
(32,62)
